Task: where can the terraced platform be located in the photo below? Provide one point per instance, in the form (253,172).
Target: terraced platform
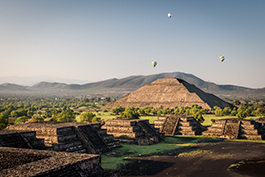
(135,131)
(71,136)
(178,125)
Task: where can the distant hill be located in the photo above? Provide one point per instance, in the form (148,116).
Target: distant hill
(120,87)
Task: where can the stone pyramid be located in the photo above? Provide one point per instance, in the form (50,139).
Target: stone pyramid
(168,92)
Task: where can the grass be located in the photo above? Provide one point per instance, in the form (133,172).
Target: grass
(128,150)
(168,144)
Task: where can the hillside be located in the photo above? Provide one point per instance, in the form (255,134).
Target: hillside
(120,87)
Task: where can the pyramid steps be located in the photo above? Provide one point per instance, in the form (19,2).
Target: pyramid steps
(236,128)
(178,125)
(133,131)
(71,136)
(170,125)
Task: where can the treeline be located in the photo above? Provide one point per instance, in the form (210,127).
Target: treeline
(240,111)
(132,112)
(19,110)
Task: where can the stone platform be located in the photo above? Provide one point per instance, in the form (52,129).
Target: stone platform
(21,139)
(71,136)
(50,163)
(134,131)
(178,125)
(236,129)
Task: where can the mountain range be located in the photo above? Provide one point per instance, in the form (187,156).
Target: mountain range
(120,87)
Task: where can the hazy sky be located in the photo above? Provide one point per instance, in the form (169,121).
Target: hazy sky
(95,40)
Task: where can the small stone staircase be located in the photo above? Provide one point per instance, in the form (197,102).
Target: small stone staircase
(178,125)
(170,125)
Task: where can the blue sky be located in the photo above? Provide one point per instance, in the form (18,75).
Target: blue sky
(94,40)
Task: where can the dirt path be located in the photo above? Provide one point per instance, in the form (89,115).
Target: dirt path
(202,160)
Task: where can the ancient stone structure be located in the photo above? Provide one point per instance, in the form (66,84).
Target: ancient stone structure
(21,139)
(134,131)
(71,136)
(236,129)
(30,162)
(178,125)
(168,92)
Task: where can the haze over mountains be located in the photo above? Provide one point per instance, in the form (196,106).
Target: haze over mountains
(119,87)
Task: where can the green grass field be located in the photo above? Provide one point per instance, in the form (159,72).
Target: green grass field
(128,150)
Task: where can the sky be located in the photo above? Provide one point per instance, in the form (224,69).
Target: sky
(95,40)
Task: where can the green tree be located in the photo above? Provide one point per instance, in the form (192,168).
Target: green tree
(87,117)
(3,120)
(117,110)
(66,116)
(130,113)
(218,112)
(241,114)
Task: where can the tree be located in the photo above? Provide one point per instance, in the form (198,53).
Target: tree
(117,110)
(237,102)
(241,114)
(130,113)
(66,116)
(198,116)
(87,117)
(218,112)
(3,120)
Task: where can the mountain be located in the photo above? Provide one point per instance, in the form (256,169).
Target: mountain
(120,87)
(31,80)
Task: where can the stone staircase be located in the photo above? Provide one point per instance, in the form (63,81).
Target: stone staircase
(134,131)
(189,126)
(251,130)
(235,129)
(178,125)
(170,125)
(231,129)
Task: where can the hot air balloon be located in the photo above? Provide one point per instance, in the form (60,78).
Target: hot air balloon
(154,63)
(169,15)
(222,58)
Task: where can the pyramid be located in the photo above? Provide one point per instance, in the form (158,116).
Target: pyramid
(168,92)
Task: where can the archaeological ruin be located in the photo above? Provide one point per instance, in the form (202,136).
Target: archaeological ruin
(31,162)
(236,129)
(30,149)
(168,92)
(134,131)
(178,125)
(71,136)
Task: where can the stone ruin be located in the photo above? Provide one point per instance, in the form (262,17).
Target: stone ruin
(178,125)
(236,129)
(31,162)
(71,136)
(134,131)
(20,157)
(21,139)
